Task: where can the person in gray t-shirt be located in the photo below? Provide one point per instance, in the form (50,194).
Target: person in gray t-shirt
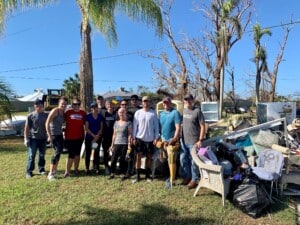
(193,132)
(120,142)
(35,138)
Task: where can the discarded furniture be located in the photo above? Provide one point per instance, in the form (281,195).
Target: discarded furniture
(269,167)
(211,177)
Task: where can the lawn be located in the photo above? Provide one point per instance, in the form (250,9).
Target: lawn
(97,200)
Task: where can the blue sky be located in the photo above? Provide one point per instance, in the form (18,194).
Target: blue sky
(38,38)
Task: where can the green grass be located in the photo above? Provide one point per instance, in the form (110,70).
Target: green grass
(97,200)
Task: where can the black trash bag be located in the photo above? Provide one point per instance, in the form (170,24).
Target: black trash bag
(251,197)
(234,154)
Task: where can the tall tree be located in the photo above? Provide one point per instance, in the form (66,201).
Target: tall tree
(260,57)
(101,14)
(229,18)
(272,76)
(5,106)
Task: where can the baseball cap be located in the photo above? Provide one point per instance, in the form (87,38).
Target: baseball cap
(188,96)
(93,105)
(167,99)
(134,97)
(100,97)
(38,102)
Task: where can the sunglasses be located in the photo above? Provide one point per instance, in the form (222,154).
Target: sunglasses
(187,99)
(145,101)
(76,104)
(123,104)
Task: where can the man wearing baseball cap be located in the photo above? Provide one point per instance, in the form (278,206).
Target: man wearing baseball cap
(35,138)
(193,132)
(170,121)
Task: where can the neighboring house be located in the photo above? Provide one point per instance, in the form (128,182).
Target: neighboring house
(118,95)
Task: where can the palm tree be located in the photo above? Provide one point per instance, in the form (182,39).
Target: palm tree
(260,57)
(100,13)
(72,86)
(5,106)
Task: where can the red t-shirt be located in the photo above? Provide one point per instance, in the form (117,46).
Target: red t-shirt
(74,124)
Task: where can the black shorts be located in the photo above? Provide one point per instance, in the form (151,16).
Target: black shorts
(144,147)
(74,147)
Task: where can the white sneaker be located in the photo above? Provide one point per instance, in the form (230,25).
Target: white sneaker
(51,177)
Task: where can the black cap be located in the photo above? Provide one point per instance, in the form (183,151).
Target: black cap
(100,97)
(38,102)
(134,97)
(93,105)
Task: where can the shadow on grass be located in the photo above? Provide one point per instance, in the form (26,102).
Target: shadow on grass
(148,215)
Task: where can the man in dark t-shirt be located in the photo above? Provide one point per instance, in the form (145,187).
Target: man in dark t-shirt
(193,132)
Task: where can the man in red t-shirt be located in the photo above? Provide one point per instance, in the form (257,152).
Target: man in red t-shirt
(74,135)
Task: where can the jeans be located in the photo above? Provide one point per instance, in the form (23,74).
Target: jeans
(189,169)
(34,145)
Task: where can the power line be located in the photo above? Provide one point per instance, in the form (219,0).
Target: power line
(95,80)
(120,55)
(76,62)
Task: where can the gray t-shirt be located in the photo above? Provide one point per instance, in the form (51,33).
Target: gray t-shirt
(192,118)
(122,132)
(36,123)
(57,123)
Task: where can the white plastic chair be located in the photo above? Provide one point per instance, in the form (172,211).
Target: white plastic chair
(269,166)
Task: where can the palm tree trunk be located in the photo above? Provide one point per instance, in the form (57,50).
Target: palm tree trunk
(86,68)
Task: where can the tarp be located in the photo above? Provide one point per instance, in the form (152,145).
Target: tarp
(38,94)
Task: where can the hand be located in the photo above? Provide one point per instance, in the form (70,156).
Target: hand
(127,157)
(154,142)
(26,142)
(134,142)
(49,139)
(199,144)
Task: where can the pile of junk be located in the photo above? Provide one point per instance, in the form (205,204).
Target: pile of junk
(261,162)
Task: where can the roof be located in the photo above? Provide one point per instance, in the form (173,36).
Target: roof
(38,94)
(118,94)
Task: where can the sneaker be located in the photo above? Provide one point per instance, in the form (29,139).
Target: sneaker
(126,176)
(66,175)
(76,172)
(42,172)
(29,175)
(51,177)
(192,185)
(149,179)
(135,180)
(88,172)
(111,177)
(169,184)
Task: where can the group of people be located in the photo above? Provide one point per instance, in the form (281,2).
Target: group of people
(127,133)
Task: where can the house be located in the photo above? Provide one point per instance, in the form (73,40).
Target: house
(118,95)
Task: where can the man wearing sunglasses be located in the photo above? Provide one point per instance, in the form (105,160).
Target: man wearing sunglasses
(193,132)
(145,135)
